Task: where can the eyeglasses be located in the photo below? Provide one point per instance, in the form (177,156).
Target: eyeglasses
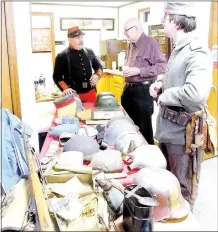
(126,30)
(164,19)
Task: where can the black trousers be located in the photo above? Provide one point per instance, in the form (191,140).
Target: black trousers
(139,105)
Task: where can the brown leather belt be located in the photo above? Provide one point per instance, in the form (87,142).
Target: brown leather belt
(176,116)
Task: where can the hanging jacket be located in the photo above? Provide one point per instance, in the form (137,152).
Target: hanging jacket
(14,159)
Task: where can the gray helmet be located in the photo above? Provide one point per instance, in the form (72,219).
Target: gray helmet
(107,103)
(123,140)
(120,117)
(85,144)
(117,128)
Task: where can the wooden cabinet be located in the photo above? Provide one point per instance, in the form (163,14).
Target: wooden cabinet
(118,84)
(111,83)
(101,86)
(166,45)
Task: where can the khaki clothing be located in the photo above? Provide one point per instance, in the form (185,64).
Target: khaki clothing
(187,84)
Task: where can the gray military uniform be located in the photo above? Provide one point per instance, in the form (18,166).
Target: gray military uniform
(187,84)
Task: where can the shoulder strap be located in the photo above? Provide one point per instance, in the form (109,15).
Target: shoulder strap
(87,54)
(68,61)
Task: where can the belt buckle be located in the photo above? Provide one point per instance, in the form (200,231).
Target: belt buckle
(183,119)
(172,116)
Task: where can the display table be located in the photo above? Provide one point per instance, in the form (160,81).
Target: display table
(190,224)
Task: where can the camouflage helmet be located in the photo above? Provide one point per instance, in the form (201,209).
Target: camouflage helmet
(107,103)
(165,188)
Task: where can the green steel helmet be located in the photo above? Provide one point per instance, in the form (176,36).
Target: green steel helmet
(107,103)
(103,94)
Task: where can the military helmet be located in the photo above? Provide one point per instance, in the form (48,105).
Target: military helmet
(120,117)
(107,103)
(116,129)
(85,144)
(104,94)
(165,188)
(123,141)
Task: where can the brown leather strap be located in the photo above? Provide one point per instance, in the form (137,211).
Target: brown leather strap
(175,220)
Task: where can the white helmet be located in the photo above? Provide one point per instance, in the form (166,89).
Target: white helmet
(165,188)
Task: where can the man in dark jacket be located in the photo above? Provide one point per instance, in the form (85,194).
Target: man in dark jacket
(74,65)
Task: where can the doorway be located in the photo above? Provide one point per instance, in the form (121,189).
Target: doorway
(43,51)
(10,84)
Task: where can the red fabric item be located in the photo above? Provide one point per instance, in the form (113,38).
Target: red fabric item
(66,103)
(63,85)
(91,96)
(73,29)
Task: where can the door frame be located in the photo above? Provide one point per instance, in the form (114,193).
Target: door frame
(12,56)
(53,53)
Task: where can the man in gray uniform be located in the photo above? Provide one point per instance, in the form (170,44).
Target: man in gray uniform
(182,92)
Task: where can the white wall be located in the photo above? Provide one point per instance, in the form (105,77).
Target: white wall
(92,37)
(203,20)
(24,59)
(157,12)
